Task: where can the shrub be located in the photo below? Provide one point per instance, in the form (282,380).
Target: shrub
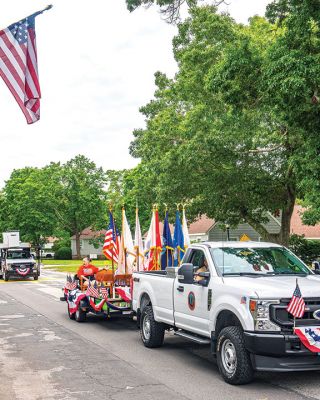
(307,250)
(63,253)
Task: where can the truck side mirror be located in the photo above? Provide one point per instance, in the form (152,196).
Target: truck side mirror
(316,265)
(185,273)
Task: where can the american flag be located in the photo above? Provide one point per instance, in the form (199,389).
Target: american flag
(71,284)
(296,307)
(19,66)
(92,290)
(104,292)
(111,241)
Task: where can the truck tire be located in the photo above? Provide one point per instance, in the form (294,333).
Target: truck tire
(5,276)
(151,331)
(232,357)
(80,315)
(35,277)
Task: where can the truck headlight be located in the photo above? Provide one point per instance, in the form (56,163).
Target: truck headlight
(261,316)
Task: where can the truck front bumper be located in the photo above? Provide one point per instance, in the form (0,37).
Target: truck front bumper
(279,352)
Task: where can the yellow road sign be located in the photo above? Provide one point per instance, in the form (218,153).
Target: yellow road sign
(244,238)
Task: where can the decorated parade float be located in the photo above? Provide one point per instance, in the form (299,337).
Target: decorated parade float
(109,292)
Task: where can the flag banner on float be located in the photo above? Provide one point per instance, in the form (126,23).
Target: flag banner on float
(153,243)
(126,252)
(104,291)
(70,284)
(178,242)
(92,290)
(73,299)
(125,293)
(167,245)
(138,244)
(97,306)
(310,337)
(111,241)
(186,237)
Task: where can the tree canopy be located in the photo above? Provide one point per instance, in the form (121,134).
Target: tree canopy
(232,133)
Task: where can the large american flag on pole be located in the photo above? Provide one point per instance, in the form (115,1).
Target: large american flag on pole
(297,306)
(111,241)
(19,66)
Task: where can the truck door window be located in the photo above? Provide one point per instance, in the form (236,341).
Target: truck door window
(199,261)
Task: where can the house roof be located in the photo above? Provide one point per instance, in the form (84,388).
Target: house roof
(297,226)
(88,233)
(201,225)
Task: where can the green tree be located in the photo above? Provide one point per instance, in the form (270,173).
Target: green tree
(27,203)
(232,132)
(82,197)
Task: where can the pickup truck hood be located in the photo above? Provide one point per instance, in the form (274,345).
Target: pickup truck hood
(275,287)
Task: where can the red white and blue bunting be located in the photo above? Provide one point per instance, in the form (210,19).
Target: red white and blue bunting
(23,271)
(310,337)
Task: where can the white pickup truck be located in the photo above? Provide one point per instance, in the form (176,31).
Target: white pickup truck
(237,303)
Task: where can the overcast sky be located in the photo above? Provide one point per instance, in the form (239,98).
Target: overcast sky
(96,64)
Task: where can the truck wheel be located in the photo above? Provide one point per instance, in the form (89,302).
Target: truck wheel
(80,315)
(35,277)
(232,357)
(151,331)
(5,276)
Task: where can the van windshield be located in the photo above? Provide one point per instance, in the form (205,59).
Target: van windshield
(15,254)
(257,261)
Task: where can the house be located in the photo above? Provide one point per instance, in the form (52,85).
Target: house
(88,238)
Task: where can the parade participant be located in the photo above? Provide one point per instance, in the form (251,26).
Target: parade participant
(203,268)
(87,271)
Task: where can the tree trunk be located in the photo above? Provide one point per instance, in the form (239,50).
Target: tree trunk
(78,249)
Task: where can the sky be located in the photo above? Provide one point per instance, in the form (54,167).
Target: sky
(96,66)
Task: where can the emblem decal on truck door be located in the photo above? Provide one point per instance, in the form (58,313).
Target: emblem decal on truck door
(191,301)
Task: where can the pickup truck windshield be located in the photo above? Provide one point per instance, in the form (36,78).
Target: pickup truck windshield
(13,254)
(257,261)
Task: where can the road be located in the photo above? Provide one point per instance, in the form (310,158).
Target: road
(44,355)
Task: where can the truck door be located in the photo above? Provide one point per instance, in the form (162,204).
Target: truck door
(191,300)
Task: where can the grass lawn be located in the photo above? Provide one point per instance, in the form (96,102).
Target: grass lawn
(71,265)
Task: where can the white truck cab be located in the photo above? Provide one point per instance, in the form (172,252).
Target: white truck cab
(232,295)
(16,259)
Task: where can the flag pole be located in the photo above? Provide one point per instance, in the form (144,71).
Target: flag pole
(112,250)
(294,317)
(136,244)
(49,6)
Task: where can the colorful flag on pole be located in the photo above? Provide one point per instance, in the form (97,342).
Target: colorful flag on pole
(178,242)
(19,66)
(138,243)
(297,306)
(153,244)
(167,245)
(186,237)
(126,252)
(111,241)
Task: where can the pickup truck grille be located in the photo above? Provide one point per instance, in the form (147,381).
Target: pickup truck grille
(279,314)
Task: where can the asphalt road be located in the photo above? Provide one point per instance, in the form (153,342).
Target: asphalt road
(44,356)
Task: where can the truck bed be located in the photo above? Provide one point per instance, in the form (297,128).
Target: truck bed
(158,287)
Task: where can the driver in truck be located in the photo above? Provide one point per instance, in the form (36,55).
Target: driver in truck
(203,268)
